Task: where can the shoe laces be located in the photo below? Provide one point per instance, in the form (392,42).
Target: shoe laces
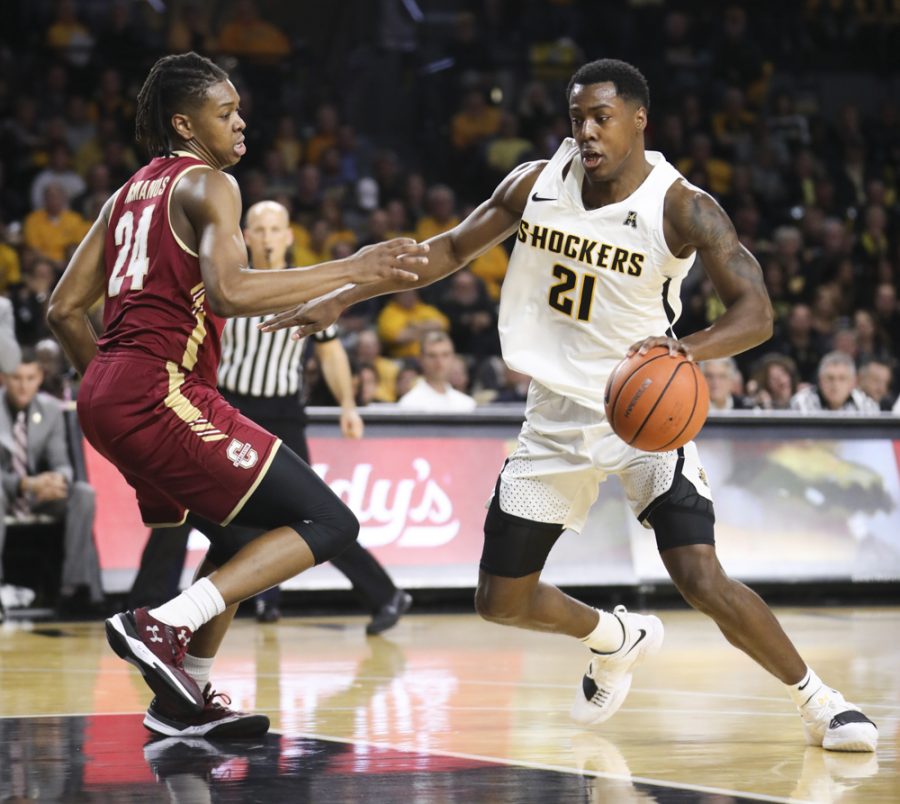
(824,704)
(210,695)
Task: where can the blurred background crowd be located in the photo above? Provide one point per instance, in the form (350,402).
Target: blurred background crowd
(374,118)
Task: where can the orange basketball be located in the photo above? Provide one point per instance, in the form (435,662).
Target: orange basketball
(656,402)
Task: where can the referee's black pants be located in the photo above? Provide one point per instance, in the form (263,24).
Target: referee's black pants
(163,557)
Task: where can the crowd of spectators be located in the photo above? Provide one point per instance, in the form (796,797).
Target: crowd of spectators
(371,119)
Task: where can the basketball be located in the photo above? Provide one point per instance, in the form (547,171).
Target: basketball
(656,402)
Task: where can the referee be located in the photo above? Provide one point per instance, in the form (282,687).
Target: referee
(260,374)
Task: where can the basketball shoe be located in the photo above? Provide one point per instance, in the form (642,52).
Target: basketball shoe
(834,724)
(157,650)
(608,678)
(216,719)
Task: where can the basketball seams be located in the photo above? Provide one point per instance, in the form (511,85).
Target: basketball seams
(611,414)
(690,418)
(659,398)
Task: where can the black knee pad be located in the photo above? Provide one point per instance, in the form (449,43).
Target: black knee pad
(513,546)
(330,536)
(683,517)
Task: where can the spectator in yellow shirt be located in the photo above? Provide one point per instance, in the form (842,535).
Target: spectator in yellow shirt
(251,37)
(717,171)
(404,320)
(441,205)
(475,122)
(10,268)
(54,230)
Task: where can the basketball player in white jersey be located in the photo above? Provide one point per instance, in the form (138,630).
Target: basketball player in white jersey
(605,234)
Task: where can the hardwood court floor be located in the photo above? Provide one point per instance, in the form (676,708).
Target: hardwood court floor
(446,709)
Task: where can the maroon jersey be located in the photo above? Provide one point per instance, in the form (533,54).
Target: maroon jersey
(155,297)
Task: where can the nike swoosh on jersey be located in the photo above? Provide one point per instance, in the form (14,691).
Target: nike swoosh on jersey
(637,642)
(536,197)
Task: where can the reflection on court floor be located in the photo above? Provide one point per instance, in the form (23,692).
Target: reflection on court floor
(446,709)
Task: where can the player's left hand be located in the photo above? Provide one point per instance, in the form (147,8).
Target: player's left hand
(674,346)
(351,423)
(311,317)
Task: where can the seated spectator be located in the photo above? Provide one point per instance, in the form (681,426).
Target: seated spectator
(472,316)
(475,122)
(774,382)
(54,230)
(365,383)
(367,352)
(798,341)
(441,217)
(836,389)
(38,478)
(326,135)
(30,302)
(9,346)
(875,381)
(507,149)
(253,38)
(433,392)
(404,320)
(57,372)
(10,267)
(99,189)
(722,376)
(717,172)
(410,373)
(58,171)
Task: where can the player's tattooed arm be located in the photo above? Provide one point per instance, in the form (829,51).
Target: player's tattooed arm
(694,221)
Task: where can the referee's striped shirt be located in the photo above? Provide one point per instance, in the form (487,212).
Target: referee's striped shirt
(262,364)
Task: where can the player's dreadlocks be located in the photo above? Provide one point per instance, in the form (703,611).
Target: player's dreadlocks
(173,82)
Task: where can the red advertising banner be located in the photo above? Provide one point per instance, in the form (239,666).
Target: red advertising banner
(419,500)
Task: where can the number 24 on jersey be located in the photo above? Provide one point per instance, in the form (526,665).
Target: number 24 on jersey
(131,259)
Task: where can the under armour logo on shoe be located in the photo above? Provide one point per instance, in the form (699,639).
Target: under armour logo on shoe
(154,633)
(631,220)
(183,637)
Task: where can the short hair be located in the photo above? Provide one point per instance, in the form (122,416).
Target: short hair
(628,80)
(434,336)
(729,362)
(837,359)
(171,83)
(29,355)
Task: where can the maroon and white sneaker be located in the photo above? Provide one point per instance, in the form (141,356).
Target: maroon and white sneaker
(157,650)
(216,719)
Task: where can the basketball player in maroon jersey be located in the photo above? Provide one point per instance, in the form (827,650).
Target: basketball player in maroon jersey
(168,255)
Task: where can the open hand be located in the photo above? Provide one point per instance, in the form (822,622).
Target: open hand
(393,259)
(310,317)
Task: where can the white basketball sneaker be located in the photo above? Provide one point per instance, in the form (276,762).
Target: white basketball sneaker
(608,677)
(834,724)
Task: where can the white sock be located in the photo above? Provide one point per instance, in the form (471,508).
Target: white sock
(805,688)
(198,668)
(608,636)
(193,607)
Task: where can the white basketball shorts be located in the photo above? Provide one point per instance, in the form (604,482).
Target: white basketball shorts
(565,451)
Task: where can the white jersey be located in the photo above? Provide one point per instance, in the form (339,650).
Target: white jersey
(583,285)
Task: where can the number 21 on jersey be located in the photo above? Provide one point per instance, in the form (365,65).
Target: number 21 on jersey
(568,281)
(131,259)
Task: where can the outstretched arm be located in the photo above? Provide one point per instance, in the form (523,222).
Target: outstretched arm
(695,221)
(212,203)
(81,285)
(491,223)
